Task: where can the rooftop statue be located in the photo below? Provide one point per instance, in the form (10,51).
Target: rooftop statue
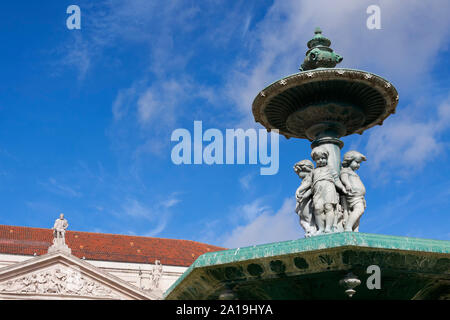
(59,235)
(59,229)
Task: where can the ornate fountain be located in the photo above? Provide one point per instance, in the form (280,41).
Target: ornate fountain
(322,104)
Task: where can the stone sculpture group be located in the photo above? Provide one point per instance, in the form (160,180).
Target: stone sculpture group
(58,280)
(328,201)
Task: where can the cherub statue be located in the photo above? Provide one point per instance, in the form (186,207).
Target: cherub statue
(303,194)
(354,204)
(325,180)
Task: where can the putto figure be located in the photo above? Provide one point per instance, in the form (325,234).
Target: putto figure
(327,201)
(354,204)
(325,180)
(304,207)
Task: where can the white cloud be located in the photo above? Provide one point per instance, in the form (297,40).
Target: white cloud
(153,24)
(122,102)
(145,114)
(251,211)
(159,101)
(154,145)
(136,209)
(170,202)
(245,181)
(404,213)
(246,26)
(77,53)
(157,216)
(406,143)
(390,214)
(147,106)
(61,189)
(264,226)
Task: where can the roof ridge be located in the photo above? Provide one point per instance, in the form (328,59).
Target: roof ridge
(114,234)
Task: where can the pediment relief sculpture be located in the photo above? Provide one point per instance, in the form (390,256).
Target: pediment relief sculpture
(58,280)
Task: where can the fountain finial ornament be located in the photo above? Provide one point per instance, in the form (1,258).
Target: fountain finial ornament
(320,55)
(322,104)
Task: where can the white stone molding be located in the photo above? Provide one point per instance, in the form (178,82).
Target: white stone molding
(58,280)
(61,276)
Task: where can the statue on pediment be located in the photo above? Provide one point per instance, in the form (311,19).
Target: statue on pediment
(59,235)
(59,229)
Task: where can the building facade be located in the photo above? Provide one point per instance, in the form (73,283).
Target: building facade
(93,265)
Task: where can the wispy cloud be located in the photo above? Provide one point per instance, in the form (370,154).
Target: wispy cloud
(152,110)
(152,104)
(245,181)
(170,202)
(61,189)
(109,23)
(157,216)
(408,142)
(41,207)
(124,99)
(262,225)
(412,213)
(79,56)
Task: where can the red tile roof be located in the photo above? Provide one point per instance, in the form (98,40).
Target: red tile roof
(106,247)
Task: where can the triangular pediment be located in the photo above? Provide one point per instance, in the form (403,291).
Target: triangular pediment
(63,276)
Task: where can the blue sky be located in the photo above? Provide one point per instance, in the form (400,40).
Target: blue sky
(86,115)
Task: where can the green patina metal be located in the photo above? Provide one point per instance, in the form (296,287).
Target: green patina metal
(311,268)
(320,55)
